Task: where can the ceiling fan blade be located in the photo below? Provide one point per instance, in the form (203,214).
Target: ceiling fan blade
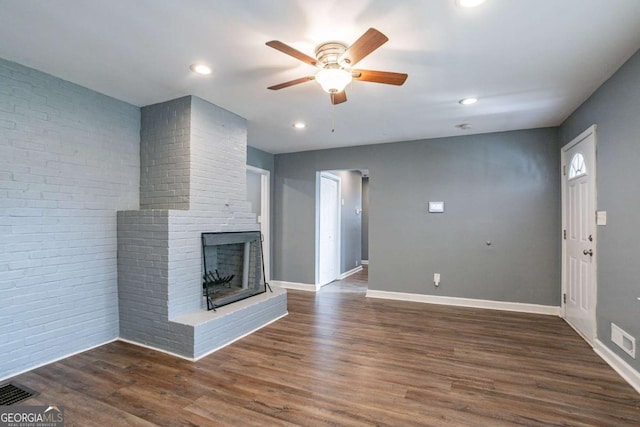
(374,76)
(291,83)
(278,45)
(367,43)
(339,97)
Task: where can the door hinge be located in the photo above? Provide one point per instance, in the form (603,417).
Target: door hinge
(564,169)
(564,298)
(564,234)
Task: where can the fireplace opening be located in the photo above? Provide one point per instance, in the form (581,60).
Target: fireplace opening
(233,267)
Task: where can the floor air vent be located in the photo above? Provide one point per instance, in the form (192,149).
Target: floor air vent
(14,393)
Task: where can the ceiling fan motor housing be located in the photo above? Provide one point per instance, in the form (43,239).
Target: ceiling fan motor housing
(328,54)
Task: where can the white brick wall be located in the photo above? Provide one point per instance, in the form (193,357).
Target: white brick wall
(165,155)
(218,159)
(69,159)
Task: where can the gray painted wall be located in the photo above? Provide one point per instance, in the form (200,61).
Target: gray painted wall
(365,218)
(254,193)
(501,187)
(69,159)
(260,159)
(615,109)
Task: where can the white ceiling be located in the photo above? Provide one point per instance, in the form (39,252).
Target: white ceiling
(531,62)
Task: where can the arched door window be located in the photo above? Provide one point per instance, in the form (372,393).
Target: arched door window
(577,167)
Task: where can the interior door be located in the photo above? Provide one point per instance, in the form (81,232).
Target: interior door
(258,190)
(579,217)
(329,229)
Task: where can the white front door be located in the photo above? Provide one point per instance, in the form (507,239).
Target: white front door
(579,233)
(329,229)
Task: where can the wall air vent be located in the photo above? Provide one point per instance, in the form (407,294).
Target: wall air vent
(624,340)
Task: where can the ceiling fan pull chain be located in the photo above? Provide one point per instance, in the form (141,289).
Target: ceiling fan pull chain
(333,119)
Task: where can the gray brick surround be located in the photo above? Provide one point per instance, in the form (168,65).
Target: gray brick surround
(193,171)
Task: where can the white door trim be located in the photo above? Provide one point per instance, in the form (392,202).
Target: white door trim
(319,176)
(591,131)
(265,217)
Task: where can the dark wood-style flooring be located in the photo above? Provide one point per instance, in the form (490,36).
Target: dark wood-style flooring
(342,359)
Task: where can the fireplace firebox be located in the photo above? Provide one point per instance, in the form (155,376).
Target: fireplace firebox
(233,267)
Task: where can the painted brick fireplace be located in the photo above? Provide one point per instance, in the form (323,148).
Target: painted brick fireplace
(193,172)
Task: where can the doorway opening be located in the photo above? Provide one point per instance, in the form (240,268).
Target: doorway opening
(258,193)
(339,225)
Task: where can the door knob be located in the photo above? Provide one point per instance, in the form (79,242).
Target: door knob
(588,252)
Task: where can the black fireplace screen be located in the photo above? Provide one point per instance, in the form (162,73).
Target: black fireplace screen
(232,267)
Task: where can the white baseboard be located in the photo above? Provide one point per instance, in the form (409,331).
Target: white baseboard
(309,287)
(350,272)
(625,370)
(296,286)
(467,302)
(364,262)
(57,359)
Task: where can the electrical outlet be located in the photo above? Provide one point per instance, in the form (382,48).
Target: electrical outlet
(436,279)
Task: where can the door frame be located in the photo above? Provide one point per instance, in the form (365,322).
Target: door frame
(338,244)
(265,217)
(591,131)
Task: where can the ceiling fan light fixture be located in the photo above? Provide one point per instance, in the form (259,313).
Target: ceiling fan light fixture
(335,61)
(333,80)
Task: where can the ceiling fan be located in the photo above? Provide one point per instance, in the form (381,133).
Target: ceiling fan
(335,61)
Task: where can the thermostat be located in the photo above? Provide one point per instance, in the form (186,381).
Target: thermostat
(436,207)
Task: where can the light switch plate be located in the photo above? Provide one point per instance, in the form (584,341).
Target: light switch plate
(601,218)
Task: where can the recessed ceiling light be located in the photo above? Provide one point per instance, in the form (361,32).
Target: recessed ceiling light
(464,126)
(468,101)
(469,3)
(299,125)
(201,68)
